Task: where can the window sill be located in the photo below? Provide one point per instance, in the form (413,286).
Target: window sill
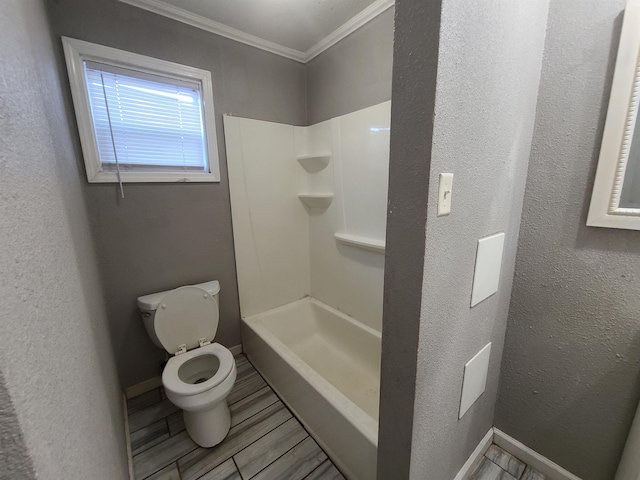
(159,177)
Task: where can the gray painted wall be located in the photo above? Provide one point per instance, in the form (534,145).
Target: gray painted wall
(55,349)
(414,87)
(165,235)
(488,69)
(353,74)
(571,370)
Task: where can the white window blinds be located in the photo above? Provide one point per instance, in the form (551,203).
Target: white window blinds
(146,122)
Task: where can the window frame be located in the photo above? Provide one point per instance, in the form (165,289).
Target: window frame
(77,51)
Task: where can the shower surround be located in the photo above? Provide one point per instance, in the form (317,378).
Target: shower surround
(309,218)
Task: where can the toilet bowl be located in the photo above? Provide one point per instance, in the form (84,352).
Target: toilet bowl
(199,382)
(200,374)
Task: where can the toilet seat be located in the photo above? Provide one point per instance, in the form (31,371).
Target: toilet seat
(186,323)
(171,379)
(186,318)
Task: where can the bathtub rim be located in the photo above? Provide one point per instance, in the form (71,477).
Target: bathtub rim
(361,420)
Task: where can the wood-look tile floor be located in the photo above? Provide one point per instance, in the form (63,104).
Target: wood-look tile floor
(497,464)
(265,441)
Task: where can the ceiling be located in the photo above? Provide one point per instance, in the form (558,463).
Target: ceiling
(298,29)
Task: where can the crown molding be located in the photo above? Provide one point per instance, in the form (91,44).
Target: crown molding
(365,16)
(167,10)
(204,23)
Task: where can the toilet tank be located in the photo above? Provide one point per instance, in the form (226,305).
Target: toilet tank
(149,303)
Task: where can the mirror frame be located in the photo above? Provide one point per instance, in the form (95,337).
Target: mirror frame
(605,210)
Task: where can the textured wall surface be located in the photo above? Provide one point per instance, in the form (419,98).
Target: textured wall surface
(488,74)
(55,350)
(353,74)
(414,87)
(165,235)
(571,370)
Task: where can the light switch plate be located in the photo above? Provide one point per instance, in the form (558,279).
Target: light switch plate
(444,194)
(486,277)
(475,379)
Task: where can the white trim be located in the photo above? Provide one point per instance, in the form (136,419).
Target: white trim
(605,210)
(204,23)
(155,177)
(365,16)
(77,51)
(236,350)
(532,458)
(475,457)
(143,387)
(127,436)
(509,444)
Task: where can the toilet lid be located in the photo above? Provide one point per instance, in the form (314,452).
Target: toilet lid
(184,316)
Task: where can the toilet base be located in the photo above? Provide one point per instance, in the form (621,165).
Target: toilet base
(208,427)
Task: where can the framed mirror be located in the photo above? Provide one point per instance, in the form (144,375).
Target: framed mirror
(615,202)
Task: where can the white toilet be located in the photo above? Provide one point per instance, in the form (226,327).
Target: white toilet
(200,374)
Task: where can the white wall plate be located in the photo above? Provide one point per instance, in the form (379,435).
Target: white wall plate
(444,194)
(486,277)
(475,379)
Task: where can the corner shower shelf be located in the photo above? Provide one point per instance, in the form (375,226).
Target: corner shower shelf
(316,200)
(315,163)
(365,243)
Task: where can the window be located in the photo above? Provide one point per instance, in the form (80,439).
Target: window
(141,119)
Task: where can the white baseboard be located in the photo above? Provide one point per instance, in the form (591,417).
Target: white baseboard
(545,466)
(475,457)
(236,350)
(127,436)
(143,387)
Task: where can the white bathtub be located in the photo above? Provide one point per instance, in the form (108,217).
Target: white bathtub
(326,368)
